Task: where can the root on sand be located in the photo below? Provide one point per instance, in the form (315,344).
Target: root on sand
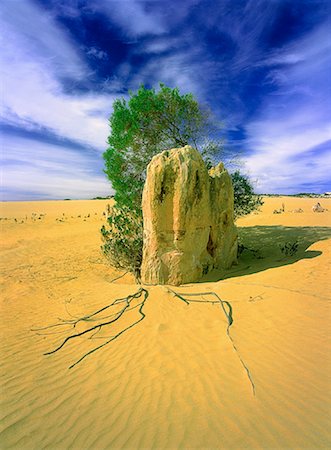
(227,309)
(141,294)
(127,305)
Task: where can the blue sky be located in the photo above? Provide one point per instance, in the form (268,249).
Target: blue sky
(263,66)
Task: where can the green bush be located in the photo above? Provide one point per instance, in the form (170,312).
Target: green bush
(245,200)
(123,239)
(289,248)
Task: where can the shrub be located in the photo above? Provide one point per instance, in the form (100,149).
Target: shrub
(245,200)
(289,248)
(123,239)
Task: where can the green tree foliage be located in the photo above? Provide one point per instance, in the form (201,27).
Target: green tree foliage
(147,123)
(245,200)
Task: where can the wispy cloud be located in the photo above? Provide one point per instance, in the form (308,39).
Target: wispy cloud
(295,122)
(34,169)
(261,65)
(132,16)
(94,52)
(32,66)
(28,27)
(33,95)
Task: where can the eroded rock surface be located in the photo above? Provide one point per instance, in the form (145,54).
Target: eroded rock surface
(188,218)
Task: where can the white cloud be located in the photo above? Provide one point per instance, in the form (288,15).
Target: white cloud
(33,169)
(29,28)
(178,69)
(30,68)
(133,16)
(284,155)
(296,120)
(36,54)
(309,49)
(96,53)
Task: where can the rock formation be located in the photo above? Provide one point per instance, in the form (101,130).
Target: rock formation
(318,208)
(188,218)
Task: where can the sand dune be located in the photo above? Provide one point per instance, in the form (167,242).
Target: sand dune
(181,378)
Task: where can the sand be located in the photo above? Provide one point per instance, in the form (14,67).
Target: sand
(180,378)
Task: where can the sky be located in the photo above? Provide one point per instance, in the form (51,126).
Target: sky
(262,66)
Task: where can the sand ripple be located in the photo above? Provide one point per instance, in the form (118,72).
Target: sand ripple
(172,381)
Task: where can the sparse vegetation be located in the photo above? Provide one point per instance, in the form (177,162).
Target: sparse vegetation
(123,239)
(245,200)
(256,253)
(103,198)
(289,248)
(280,210)
(300,195)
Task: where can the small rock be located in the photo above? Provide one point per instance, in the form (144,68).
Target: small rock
(318,208)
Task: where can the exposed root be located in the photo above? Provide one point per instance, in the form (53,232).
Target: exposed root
(241,360)
(227,309)
(228,313)
(126,303)
(117,278)
(95,329)
(116,335)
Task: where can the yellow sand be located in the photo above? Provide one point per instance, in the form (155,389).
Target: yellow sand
(176,380)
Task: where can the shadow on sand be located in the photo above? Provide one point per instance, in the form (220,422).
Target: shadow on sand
(262,249)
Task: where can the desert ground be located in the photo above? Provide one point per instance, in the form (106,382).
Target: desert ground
(180,377)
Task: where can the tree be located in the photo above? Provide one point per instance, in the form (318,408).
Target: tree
(245,200)
(148,123)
